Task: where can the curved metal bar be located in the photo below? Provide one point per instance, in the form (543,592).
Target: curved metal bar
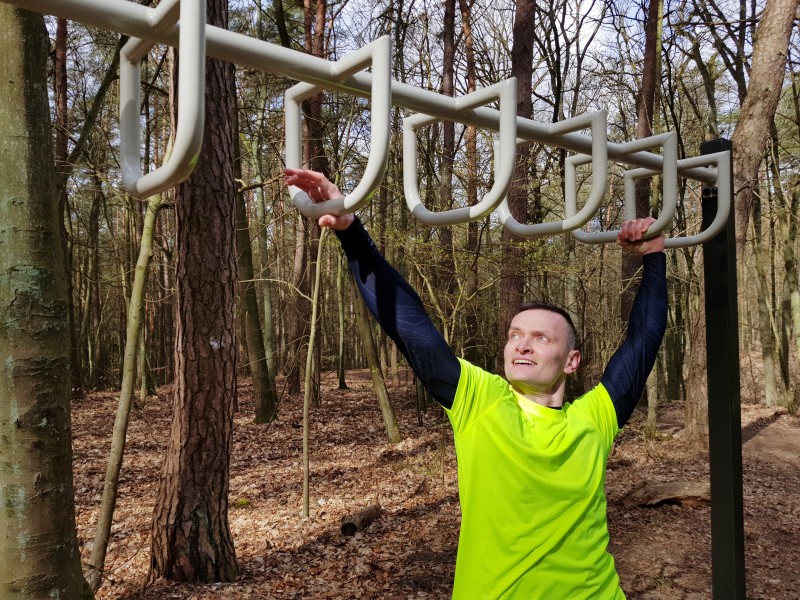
(724,181)
(378,55)
(188,137)
(597,121)
(504,91)
(669,173)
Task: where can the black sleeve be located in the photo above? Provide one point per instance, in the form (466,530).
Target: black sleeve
(627,371)
(400,312)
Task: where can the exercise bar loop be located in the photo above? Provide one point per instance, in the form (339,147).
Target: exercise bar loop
(188,137)
(597,122)
(669,171)
(504,91)
(377,55)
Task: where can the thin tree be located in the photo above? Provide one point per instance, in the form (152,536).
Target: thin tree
(133,335)
(39,546)
(191,538)
(378,382)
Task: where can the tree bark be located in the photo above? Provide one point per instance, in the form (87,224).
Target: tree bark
(758,109)
(266,401)
(512,277)
(39,547)
(351,524)
(191,539)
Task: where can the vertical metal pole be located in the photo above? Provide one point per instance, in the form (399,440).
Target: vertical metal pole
(724,416)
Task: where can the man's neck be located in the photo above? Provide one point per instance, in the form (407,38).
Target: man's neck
(554,400)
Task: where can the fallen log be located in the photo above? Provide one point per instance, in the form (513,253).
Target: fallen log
(684,493)
(357,522)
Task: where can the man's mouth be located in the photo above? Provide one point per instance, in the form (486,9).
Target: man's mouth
(522,361)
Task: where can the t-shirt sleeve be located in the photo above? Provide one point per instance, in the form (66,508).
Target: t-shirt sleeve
(598,407)
(477,391)
(400,312)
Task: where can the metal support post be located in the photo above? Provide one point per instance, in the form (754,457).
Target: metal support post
(724,403)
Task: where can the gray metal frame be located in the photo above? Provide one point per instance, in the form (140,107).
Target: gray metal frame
(157,25)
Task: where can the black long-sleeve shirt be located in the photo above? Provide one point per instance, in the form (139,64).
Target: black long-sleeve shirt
(401,314)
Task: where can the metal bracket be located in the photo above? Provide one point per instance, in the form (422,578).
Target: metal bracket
(504,91)
(378,56)
(188,136)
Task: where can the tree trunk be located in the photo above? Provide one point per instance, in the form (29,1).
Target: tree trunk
(341,274)
(39,547)
(309,372)
(645,111)
(266,401)
(191,539)
(774,390)
(134,333)
(378,383)
(512,278)
(758,109)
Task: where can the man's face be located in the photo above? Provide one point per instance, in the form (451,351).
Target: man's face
(537,355)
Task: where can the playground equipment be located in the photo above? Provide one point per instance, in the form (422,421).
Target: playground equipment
(182,24)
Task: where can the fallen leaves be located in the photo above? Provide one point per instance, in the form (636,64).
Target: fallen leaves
(409,552)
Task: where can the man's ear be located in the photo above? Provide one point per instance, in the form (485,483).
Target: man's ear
(573,361)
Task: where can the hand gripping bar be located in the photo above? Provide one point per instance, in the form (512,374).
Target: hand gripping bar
(378,55)
(504,91)
(597,121)
(188,136)
(669,172)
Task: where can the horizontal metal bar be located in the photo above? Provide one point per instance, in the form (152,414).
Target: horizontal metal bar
(133,19)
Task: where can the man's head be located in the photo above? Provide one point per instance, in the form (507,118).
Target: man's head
(541,350)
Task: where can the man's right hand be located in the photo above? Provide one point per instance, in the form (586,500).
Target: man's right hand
(631,237)
(319,189)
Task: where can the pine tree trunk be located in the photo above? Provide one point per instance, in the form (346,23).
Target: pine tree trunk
(191,539)
(512,278)
(39,548)
(266,402)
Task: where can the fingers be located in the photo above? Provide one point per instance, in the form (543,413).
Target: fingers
(631,237)
(634,231)
(315,184)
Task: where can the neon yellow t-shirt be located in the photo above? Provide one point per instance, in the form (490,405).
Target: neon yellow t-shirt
(531,485)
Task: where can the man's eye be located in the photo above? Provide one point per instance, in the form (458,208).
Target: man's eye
(542,338)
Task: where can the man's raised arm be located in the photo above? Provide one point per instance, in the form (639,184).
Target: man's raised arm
(394,303)
(627,371)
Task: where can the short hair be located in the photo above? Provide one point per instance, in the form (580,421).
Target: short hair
(572,332)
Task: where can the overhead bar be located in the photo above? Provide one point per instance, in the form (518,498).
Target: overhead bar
(134,19)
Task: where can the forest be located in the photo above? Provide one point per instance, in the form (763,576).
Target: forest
(195,395)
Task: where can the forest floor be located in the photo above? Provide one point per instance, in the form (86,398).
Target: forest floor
(662,552)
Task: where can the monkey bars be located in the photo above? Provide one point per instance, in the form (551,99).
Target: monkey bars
(181,24)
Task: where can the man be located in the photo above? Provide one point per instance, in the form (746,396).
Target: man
(531,465)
